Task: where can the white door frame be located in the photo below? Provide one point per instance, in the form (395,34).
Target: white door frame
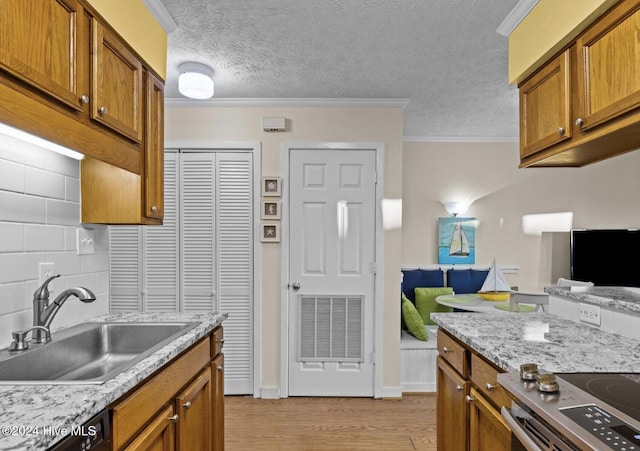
(255,147)
(284,255)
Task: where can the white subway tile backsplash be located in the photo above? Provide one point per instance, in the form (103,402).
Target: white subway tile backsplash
(18,267)
(39,218)
(45,184)
(59,164)
(44,238)
(17,207)
(11,237)
(13,149)
(11,176)
(62,212)
(12,298)
(72,189)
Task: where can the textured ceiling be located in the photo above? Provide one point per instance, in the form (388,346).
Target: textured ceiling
(444,56)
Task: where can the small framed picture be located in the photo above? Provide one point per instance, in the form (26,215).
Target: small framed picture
(271,186)
(270,232)
(270,209)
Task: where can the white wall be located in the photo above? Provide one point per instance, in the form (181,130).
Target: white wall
(220,124)
(39,216)
(601,195)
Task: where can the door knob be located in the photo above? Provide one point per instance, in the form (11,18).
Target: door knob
(295,285)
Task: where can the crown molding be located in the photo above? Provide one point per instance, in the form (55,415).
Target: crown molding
(157,8)
(290,102)
(460,139)
(516,15)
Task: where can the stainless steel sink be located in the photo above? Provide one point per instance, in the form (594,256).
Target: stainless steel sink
(89,353)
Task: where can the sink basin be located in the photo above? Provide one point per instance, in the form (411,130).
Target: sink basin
(89,353)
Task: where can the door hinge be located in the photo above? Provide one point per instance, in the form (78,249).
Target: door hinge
(374,268)
(372,357)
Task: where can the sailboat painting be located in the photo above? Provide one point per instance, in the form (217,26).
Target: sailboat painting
(456,241)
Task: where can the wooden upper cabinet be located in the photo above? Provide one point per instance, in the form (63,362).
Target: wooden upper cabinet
(545,109)
(153,171)
(116,84)
(609,66)
(40,46)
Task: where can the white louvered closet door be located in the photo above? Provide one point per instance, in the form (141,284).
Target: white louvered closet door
(201,258)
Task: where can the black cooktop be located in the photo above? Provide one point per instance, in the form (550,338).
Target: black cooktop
(621,391)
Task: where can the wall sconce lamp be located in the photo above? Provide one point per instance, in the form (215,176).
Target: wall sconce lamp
(195,81)
(456,208)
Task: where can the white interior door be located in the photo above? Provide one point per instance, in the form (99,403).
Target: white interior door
(331,277)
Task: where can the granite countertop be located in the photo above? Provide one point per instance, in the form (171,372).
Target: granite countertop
(625,299)
(556,345)
(47,409)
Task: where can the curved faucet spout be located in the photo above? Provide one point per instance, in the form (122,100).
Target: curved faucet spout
(84,294)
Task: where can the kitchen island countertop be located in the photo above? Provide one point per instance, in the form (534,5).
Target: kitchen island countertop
(34,416)
(554,344)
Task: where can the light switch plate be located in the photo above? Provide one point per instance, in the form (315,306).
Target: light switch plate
(589,313)
(85,241)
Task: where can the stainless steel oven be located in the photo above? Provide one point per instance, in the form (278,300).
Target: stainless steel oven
(581,411)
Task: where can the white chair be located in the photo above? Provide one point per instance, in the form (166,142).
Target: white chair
(562,282)
(540,300)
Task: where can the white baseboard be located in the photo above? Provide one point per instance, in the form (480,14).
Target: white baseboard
(389,392)
(270,393)
(419,388)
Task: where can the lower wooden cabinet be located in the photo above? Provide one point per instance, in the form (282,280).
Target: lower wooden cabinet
(180,408)
(452,408)
(217,407)
(468,401)
(193,407)
(487,428)
(159,435)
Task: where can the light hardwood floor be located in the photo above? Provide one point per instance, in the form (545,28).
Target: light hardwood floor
(302,423)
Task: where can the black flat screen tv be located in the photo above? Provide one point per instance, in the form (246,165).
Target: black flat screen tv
(606,257)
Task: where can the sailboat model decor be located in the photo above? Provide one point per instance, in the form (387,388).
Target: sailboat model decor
(495,286)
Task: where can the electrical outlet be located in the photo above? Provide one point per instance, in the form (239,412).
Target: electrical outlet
(589,313)
(46,270)
(85,241)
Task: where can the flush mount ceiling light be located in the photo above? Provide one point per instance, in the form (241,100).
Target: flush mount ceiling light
(195,81)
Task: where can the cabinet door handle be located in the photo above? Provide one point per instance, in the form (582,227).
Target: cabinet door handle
(469,398)
(84,99)
(490,386)
(154,208)
(102,110)
(459,387)
(579,122)
(187,404)
(220,368)
(174,418)
(445,349)
(561,131)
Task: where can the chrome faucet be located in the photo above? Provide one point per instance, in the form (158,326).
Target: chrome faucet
(43,313)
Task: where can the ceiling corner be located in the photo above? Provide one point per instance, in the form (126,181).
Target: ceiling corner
(157,8)
(514,18)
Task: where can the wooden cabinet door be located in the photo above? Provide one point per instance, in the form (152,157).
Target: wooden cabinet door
(452,409)
(153,163)
(545,111)
(158,436)
(609,66)
(40,45)
(217,369)
(194,411)
(487,429)
(116,84)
